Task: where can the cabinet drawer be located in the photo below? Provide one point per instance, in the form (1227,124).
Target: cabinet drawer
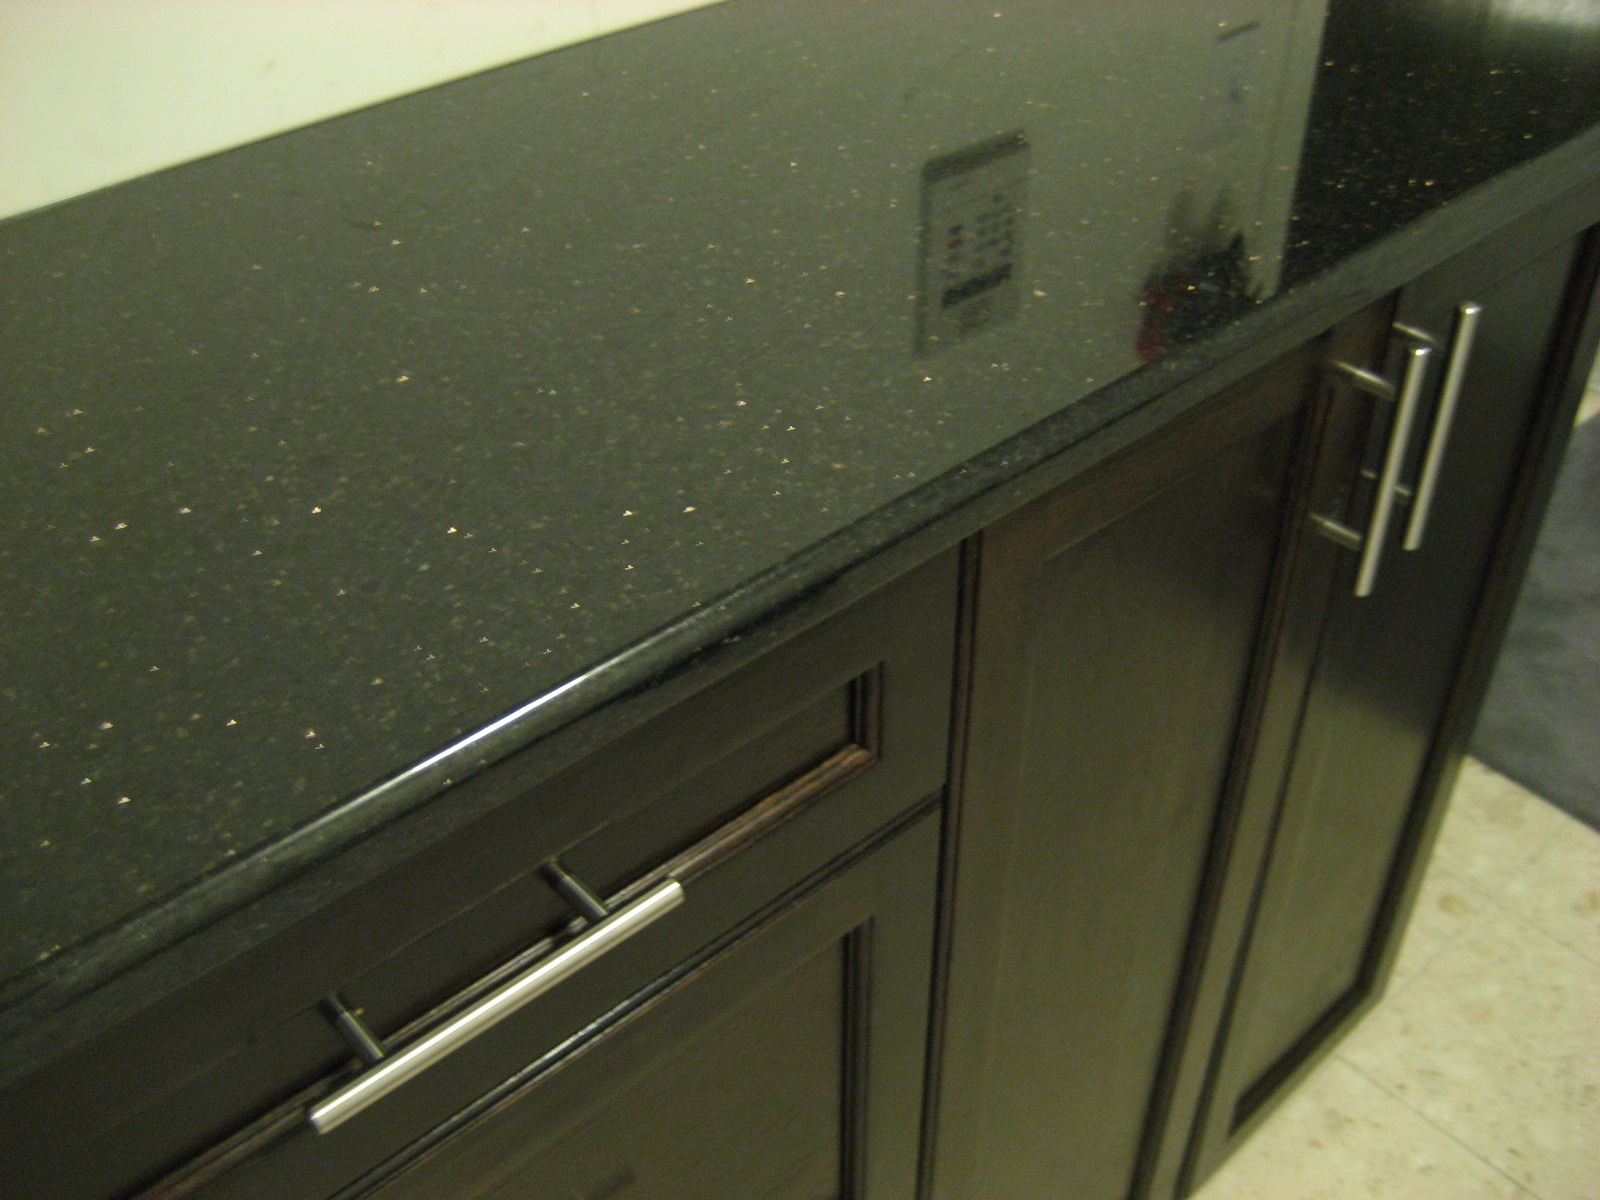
(781,1059)
(822,741)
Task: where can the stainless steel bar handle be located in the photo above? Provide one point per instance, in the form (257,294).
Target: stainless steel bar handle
(1449,394)
(1410,394)
(393,1070)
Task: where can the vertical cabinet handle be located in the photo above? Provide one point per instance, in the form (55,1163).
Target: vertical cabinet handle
(1449,394)
(1408,399)
(386,1071)
(1394,458)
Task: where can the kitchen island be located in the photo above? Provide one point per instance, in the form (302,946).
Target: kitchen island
(371,484)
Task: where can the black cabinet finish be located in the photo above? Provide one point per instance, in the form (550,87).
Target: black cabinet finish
(787,1066)
(1201,771)
(783,1059)
(1195,779)
(1170,878)
(1383,674)
(1114,643)
(1381,686)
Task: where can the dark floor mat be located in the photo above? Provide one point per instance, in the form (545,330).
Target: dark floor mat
(1541,722)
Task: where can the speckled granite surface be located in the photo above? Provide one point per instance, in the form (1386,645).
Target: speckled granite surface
(325,455)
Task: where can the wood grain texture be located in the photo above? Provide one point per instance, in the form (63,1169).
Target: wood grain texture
(1115,633)
(1353,784)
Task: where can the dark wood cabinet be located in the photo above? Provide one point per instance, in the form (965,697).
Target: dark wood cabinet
(1116,626)
(1201,770)
(1370,693)
(786,1066)
(782,1058)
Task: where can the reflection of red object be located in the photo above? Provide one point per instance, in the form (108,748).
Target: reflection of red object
(1186,299)
(1160,299)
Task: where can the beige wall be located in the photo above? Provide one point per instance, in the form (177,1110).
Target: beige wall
(96,91)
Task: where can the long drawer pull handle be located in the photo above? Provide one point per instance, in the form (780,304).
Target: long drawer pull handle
(392,1070)
(1449,394)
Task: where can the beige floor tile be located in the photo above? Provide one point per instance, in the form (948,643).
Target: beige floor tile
(1445,906)
(1497,1042)
(1493,829)
(1559,890)
(1340,1137)
(1590,408)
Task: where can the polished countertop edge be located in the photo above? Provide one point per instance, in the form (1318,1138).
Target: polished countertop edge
(88,988)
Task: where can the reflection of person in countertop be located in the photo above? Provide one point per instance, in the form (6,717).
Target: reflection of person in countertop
(1202,281)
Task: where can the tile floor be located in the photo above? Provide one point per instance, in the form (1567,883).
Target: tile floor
(1478,1076)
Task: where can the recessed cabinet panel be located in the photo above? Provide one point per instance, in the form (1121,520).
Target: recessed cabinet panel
(748,1103)
(1117,621)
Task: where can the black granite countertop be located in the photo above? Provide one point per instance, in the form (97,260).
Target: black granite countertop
(504,414)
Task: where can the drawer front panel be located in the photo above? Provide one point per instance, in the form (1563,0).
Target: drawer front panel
(784,1062)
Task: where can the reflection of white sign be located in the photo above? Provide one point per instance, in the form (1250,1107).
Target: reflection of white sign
(1233,74)
(971,239)
(1572,14)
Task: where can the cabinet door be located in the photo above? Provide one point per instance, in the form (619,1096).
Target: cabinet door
(1360,762)
(1115,630)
